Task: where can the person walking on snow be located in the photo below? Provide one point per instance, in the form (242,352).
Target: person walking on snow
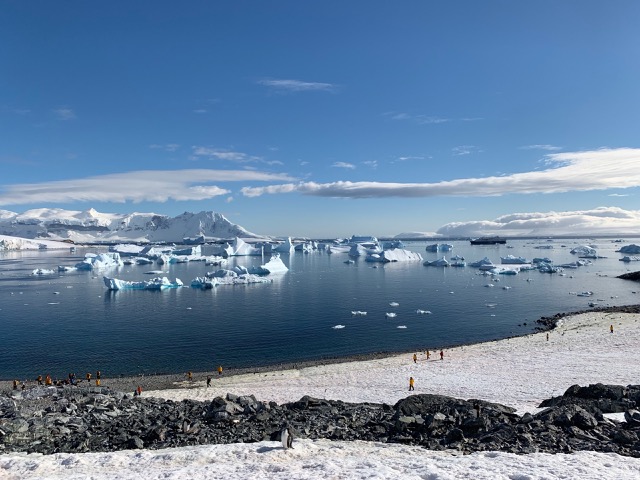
(441,355)
(415,358)
(411,384)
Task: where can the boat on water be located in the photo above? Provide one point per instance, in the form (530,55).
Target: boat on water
(493,240)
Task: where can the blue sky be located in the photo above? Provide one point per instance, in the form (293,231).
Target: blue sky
(326,118)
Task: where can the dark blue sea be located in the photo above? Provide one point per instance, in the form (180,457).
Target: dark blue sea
(70,322)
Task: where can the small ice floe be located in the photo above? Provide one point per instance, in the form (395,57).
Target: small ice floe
(390,314)
(53,303)
(423,312)
(489,285)
(154,272)
(42,271)
(491,305)
(506,287)
(349,262)
(56,293)
(450,293)
(401,326)
(188,308)
(337,327)
(358,312)
(394,304)
(585,294)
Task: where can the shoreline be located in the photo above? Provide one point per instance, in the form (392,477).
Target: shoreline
(171,381)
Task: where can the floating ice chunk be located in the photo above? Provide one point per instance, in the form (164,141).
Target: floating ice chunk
(489,285)
(506,287)
(401,326)
(394,304)
(390,314)
(358,312)
(393,255)
(94,261)
(349,262)
(632,249)
(423,312)
(584,250)
(63,268)
(42,271)
(441,262)
(336,327)
(158,283)
(274,265)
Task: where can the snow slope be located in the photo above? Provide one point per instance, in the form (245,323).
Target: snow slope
(92,226)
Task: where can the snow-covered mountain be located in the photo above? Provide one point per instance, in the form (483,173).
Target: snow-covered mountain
(92,226)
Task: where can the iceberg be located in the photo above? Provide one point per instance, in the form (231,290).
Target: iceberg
(191,250)
(583,250)
(238,276)
(393,255)
(484,264)
(158,283)
(423,312)
(441,262)
(240,248)
(98,261)
(284,247)
(274,265)
(513,260)
(628,258)
(633,249)
(391,314)
(358,312)
(42,271)
(439,247)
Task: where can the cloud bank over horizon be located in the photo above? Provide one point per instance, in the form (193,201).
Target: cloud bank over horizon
(568,171)
(138,186)
(597,221)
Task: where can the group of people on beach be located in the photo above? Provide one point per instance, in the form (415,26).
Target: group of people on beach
(48,381)
(427,354)
(189,376)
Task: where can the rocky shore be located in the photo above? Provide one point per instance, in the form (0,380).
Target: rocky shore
(75,419)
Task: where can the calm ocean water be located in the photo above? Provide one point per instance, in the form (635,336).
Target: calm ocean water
(71,322)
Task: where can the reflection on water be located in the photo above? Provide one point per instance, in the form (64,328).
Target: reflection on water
(71,322)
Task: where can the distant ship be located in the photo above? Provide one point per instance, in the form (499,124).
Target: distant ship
(488,240)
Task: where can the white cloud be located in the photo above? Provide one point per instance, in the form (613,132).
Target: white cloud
(565,172)
(420,119)
(465,150)
(349,166)
(619,195)
(223,154)
(549,148)
(138,186)
(64,113)
(169,147)
(597,221)
(297,85)
(371,163)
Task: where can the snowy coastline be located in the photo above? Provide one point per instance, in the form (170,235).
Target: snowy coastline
(518,372)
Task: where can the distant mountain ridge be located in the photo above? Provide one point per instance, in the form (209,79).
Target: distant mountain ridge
(89,226)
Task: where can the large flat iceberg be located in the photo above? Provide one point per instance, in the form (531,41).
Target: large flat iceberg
(394,255)
(158,283)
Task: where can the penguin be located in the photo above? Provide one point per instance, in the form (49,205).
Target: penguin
(286,437)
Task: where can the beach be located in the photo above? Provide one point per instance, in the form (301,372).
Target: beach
(517,372)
